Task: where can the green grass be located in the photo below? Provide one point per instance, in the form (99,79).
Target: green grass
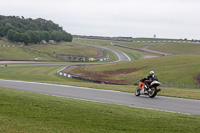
(18,53)
(42,51)
(173,69)
(106,43)
(179,48)
(171,47)
(35,73)
(66,48)
(30,112)
(7,43)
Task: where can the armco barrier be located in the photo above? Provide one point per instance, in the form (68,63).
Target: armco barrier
(164,41)
(64,74)
(88,80)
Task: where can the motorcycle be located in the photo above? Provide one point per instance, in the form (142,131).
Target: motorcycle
(151,91)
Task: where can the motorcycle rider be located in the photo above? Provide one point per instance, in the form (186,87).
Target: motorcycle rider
(149,79)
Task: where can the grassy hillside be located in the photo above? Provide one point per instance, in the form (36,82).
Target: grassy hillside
(171,69)
(6,43)
(30,112)
(107,42)
(66,48)
(172,47)
(18,53)
(42,51)
(179,48)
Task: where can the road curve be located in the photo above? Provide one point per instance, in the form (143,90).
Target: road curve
(121,55)
(187,106)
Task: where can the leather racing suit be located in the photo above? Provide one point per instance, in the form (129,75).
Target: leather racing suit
(149,79)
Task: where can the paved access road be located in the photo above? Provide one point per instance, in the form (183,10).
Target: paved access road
(180,105)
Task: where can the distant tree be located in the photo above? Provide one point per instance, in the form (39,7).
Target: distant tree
(61,36)
(6,28)
(55,36)
(35,37)
(14,28)
(10,34)
(26,38)
(69,37)
(1,29)
(46,35)
(17,37)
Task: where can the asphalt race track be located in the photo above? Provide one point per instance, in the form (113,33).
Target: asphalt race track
(122,56)
(187,106)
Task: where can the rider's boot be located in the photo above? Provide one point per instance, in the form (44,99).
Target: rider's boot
(159,89)
(146,88)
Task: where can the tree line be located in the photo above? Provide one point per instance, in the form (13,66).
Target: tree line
(29,30)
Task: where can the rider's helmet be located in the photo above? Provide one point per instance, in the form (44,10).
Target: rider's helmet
(151,72)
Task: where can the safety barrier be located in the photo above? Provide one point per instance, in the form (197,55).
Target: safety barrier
(181,85)
(166,41)
(64,74)
(103,59)
(93,59)
(1,45)
(84,79)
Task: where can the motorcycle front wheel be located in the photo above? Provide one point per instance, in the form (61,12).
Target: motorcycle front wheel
(137,92)
(153,92)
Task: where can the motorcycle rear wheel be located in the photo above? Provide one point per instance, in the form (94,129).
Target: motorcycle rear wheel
(137,92)
(153,92)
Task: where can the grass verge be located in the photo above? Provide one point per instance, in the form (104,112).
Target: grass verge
(30,112)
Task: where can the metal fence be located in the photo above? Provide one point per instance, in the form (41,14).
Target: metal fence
(181,85)
(135,80)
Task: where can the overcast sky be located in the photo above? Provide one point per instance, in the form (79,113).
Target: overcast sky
(133,18)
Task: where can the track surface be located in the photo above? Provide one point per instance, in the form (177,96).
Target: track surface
(180,105)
